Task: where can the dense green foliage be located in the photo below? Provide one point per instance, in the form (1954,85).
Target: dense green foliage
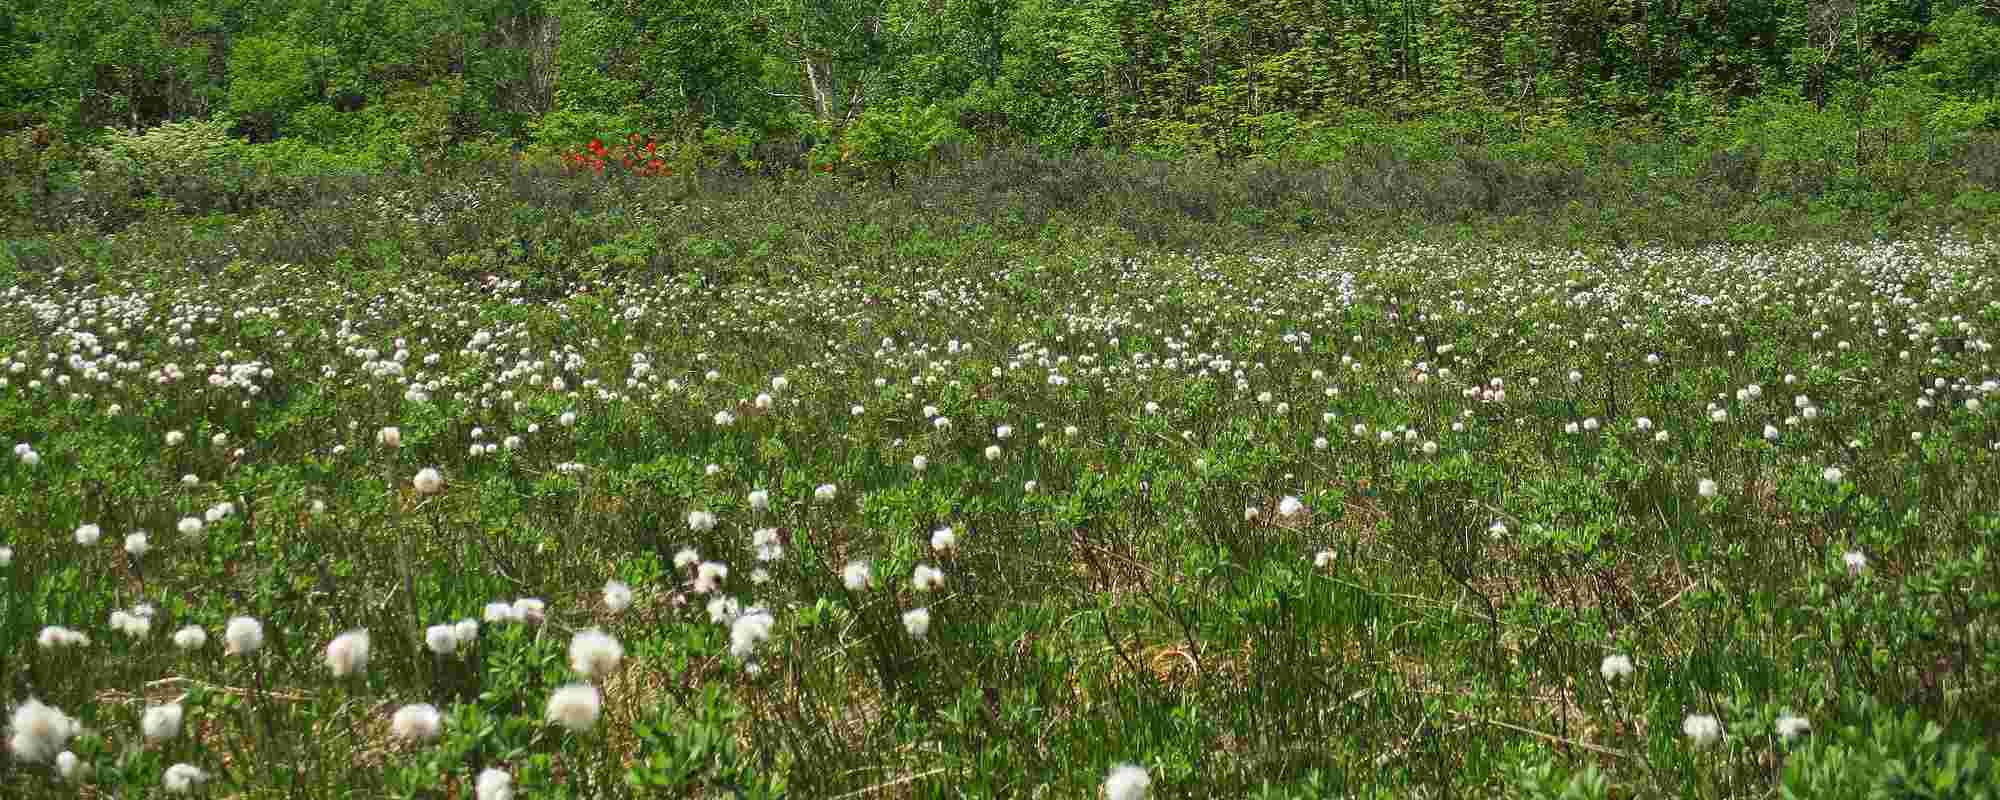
(1243,77)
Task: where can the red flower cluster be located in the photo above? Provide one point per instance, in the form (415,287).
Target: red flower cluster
(636,157)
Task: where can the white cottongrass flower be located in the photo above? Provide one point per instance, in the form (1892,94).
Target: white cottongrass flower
(765,542)
(724,419)
(495,784)
(136,544)
(133,625)
(1497,529)
(242,636)
(441,639)
(575,707)
(36,732)
(1127,782)
(347,654)
(855,575)
(87,534)
(189,526)
(1324,559)
(1615,666)
(920,463)
(700,521)
(6,556)
(709,576)
(617,596)
(499,611)
(917,621)
(161,723)
(467,630)
(593,653)
(760,500)
(529,609)
(182,779)
(826,492)
(191,637)
(428,481)
(1790,726)
(748,630)
(1003,432)
(944,539)
(1855,561)
(993,452)
(55,636)
(417,722)
(1290,506)
(685,557)
(1831,474)
(70,767)
(925,578)
(389,436)
(1706,488)
(723,610)
(174,438)
(1701,729)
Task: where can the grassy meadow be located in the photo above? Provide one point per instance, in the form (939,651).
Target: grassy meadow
(446,494)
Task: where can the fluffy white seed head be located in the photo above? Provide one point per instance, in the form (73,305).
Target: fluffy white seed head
(441,639)
(593,653)
(1127,782)
(191,637)
(1290,507)
(37,732)
(575,707)
(417,722)
(495,784)
(855,575)
(70,767)
(428,481)
(1701,729)
(617,596)
(1615,666)
(748,630)
(242,636)
(917,621)
(87,534)
(161,723)
(347,654)
(183,779)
